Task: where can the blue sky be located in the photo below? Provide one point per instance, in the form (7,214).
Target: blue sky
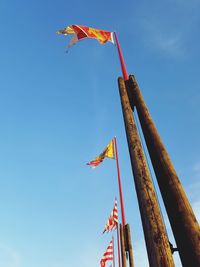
(58,110)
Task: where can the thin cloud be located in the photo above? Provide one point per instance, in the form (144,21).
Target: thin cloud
(169,44)
(140,254)
(195,189)
(196,208)
(186,3)
(9,257)
(196,169)
(160,38)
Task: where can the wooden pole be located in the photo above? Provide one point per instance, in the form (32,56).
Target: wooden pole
(123,253)
(182,219)
(157,244)
(129,244)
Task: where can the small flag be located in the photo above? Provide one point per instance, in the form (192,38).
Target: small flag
(108,255)
(112,220)
(66,31)
(108,152)
(82,32)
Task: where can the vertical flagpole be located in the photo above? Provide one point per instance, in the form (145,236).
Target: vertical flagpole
(126,246)
(122,62)
(113,251)
(119,183)
(118,245)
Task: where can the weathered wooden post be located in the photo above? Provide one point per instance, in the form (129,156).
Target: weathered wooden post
(123,252)
(157,243)
(182,219)
(129,244)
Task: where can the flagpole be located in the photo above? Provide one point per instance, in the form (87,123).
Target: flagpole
(118,244)
(120,184)
(113,251)
(121,58)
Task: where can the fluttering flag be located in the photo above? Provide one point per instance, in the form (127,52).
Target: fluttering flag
(112,220)
(108,255)
(82,32)
(108,152)
(66,31)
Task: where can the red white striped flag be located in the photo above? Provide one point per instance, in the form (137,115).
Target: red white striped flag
(112,221)
(108,255)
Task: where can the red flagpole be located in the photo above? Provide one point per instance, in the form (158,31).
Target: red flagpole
(120,184)
(123,66)
(113,251)
(118,244)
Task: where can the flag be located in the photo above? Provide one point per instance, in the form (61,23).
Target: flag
(112,221)
(81,32)
(66,31)
(108,152)
(108,255)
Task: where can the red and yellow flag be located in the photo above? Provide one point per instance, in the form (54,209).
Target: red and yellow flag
(108,152)
(66,31)
(82,32)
